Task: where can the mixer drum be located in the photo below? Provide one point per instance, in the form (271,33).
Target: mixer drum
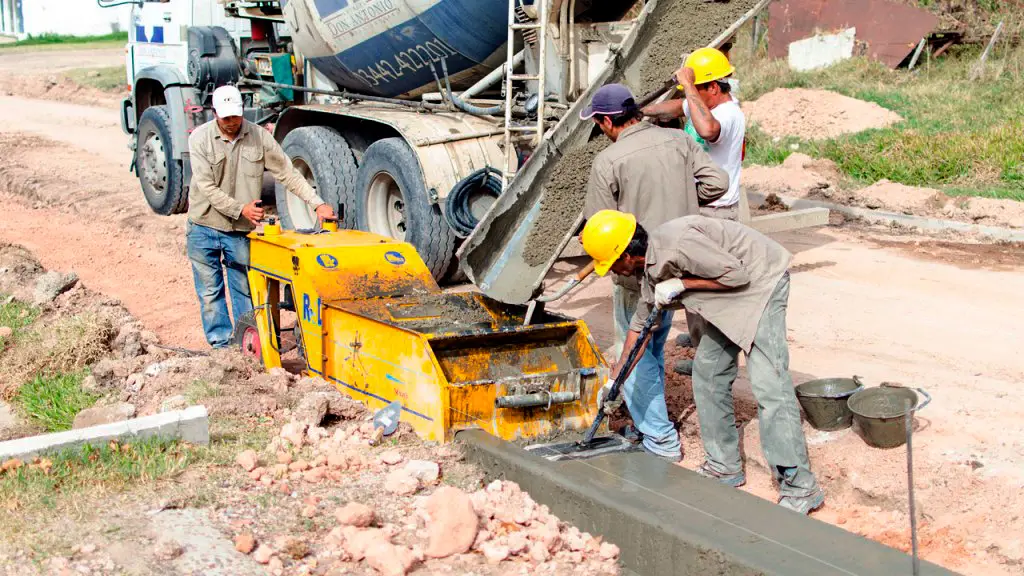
(385,47)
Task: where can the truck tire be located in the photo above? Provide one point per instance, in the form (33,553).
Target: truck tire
(159,173)
(323,156)
(391,200)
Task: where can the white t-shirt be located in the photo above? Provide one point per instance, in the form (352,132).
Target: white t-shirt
(727,151)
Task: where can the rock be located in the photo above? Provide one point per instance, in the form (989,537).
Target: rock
(245,542)
(311,409)
(178,402)
(104,415)
(359,540)
(388,559)
(247,460)
(52,284)
(104,370)
(262,554)
(494,553)
(295,433)
(314,475)
(166,550)
(401,482)
(298,466)
(284,457)
(608,551)
(275,566)
(308,511)
(391,457)
(453,522)
(354,514)
(517,542)
(425,471)
(539,553)
(90,384)
(337,461)
(6,332)
(92,74)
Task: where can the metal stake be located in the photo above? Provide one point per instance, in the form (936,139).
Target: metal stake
(910,486)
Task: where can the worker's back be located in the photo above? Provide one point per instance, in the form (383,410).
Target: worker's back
(656,174)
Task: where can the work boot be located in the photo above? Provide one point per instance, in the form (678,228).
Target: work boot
(684,341)
(803,504)
(674,458)
(684,367)
(631,434)
(733,480)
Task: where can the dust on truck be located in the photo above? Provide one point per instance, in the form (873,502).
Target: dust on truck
(408,116)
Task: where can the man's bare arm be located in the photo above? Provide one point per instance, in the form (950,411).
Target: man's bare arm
(703,121)
(665,111)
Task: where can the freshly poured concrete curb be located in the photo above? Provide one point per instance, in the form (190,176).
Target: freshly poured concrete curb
(883,217)
(667,520)
(190,425)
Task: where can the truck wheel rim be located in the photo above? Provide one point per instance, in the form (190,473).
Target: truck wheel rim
(251,343)
(386,207)
(154,163)
(303,217)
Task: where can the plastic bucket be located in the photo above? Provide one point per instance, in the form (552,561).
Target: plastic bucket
(880,413)
(824,402)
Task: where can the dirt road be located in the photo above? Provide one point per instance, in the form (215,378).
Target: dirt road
(942,316)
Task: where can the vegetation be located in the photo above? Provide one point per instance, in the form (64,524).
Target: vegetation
(962,136)
(16,316)
(51,39)
(107,79)
(53,401)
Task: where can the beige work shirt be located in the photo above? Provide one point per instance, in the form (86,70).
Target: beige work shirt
(656,174)
(227,175)
(731,253)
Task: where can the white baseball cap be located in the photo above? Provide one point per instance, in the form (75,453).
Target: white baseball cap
(227,101)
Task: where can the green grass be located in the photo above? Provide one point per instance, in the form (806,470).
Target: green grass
(16,316)
(53,401)
(107,79)
(75,470)
(51,39)
(963,137)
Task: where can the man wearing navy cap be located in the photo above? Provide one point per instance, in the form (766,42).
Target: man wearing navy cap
(657,175)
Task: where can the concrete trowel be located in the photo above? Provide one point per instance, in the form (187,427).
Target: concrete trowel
(589,446)
(537,304)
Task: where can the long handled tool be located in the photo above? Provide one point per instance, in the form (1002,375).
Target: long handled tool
(590,446)
(537,304)
(915,563)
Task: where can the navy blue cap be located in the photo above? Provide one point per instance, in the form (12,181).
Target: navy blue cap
(610,100)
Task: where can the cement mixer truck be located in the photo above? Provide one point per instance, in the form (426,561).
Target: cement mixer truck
(409,116)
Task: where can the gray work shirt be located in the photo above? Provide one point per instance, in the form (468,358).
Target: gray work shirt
(656,174)
(733,254)
(228,174)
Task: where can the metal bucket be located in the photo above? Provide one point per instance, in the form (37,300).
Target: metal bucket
(824,402)
(880,413)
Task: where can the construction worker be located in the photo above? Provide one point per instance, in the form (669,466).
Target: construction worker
(656,174)
(228,156)
(737,280)
(713,118)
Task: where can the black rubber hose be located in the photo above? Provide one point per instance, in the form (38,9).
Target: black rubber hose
(484,181)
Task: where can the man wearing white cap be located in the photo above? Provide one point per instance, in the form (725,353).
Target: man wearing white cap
(228,156)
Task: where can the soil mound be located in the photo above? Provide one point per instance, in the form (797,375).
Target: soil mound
(815,114)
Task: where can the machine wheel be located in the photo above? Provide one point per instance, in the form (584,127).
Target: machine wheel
(159,173)
(247,336)
(391,200)
(323,156)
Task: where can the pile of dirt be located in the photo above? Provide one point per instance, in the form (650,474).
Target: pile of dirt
(815,114)
(401,508)
(801,176)
(57,87)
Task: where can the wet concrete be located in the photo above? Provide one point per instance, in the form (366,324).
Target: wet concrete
(668,520)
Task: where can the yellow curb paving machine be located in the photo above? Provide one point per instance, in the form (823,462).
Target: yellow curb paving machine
(372,321)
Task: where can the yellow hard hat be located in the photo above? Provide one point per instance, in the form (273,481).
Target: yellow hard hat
(606,236)
(708,64)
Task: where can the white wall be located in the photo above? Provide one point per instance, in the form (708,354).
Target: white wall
(73,17)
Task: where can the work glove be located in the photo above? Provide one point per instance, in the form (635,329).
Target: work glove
(609,407)
(666,293)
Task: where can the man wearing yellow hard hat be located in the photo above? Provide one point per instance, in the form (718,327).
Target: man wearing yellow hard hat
(713,118)
(656,174)
(737,280)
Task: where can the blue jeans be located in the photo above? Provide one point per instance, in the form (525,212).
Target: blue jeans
(644,390)
(210,251)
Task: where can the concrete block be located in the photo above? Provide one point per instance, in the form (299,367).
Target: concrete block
(190,425)
(791,220)
(821,51)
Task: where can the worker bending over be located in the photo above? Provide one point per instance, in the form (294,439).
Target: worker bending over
(737,280)
(656,174)
(229,155)
(713,119)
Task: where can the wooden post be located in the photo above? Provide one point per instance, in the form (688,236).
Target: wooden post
(978,68)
